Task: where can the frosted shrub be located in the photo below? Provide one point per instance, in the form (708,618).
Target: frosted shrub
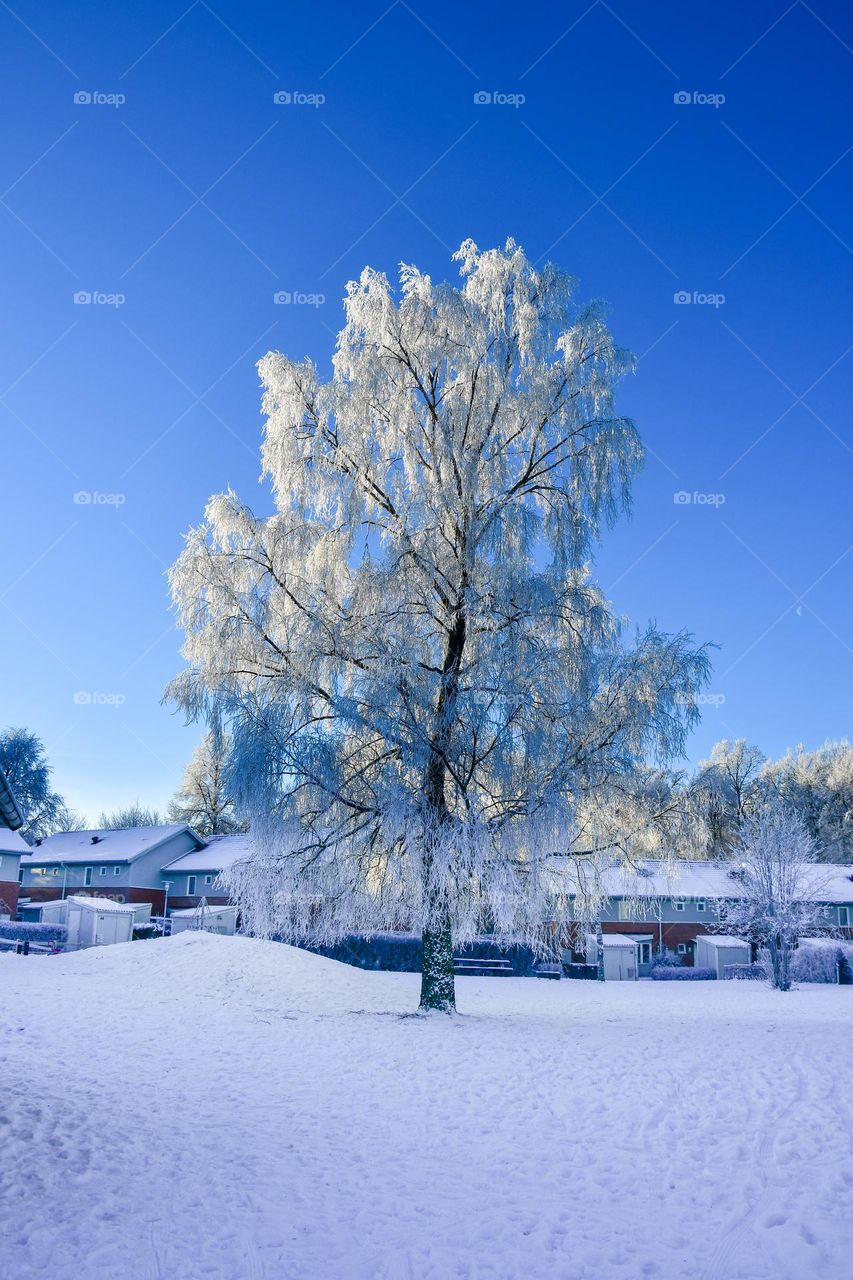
(665,973)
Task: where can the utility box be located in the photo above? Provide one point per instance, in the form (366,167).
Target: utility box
(716,950)
(97,922)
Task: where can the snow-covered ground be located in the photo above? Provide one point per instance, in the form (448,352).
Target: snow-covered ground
(207,1108)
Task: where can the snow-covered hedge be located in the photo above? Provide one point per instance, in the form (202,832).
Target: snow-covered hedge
(27,931)
(820,963)
(666,973)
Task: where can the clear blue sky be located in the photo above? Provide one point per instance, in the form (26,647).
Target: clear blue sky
(198,197)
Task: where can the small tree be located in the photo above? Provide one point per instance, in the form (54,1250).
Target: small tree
(204,800)
(778,900)
(433,707)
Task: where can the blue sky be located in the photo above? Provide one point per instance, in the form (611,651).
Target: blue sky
(183,197)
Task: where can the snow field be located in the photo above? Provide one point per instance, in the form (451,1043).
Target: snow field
(206,1108)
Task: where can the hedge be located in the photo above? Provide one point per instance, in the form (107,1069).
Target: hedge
(29,931)
(664,973)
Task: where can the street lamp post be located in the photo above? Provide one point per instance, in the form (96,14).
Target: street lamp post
(167,884)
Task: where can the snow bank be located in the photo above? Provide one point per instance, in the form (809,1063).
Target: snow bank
(227,1109)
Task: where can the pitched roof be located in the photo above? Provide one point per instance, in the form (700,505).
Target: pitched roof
(123,845)
(10,814)
(13,842)
(218,853)
(680,878)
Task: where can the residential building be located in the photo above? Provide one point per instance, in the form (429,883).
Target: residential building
(194,875)
(123,865)
(666,905)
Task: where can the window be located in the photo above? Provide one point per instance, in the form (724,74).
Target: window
(700,904)
(624,909)
(116,871)
(20,875)
(209,879)
(102,871)
(678,904)
(190,884)
(56,871)
(844,917)
(87,876)
(682,948)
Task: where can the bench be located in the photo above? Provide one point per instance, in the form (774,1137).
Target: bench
(482,967)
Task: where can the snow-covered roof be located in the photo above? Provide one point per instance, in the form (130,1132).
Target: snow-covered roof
(219,852)
(123,845)
(623,940)
(721,940)
(10,814)
(12,842)
(680,878)
(101,904)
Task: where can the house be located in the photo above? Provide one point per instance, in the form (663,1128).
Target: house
(193,876)
(660,905)
(123,865)
(12,847)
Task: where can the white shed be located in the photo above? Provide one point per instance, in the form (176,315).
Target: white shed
(620,956)
(212,919)
(97,922)
(716,950)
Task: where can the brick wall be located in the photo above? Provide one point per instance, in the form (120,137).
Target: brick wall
(117,893)
(9,890)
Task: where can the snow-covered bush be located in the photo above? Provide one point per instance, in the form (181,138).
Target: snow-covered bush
(820,963)
(665,973)
(667,960)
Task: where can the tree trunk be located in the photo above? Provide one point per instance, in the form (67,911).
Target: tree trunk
(438,989)
(437,983)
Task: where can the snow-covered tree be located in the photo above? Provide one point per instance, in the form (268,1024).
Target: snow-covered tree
(431,702)
(777,898)
(203,800)
(728,788)
(24,761)
(132,815)
(819,786)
